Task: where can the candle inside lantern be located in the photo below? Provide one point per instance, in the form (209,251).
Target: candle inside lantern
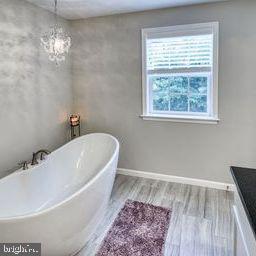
(74,120)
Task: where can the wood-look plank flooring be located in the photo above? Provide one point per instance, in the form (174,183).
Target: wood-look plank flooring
(201,222)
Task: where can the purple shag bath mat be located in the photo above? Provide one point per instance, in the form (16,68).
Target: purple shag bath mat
(139,230)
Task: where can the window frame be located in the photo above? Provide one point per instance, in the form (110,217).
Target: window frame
(181,30)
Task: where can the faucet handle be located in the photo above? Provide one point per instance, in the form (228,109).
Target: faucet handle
(24,165)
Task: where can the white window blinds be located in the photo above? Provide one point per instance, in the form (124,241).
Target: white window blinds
(179,52)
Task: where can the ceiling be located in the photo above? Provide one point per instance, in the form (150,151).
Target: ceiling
(77,9)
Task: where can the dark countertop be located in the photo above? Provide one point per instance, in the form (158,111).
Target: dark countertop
(245,180)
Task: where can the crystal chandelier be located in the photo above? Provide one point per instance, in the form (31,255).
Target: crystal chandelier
(56,41)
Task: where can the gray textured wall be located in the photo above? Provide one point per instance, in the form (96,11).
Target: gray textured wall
(35,96)
(107,91)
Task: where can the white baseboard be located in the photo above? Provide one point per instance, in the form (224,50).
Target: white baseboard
(177,179)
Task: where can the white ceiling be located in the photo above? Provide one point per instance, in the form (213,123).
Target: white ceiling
(77,9)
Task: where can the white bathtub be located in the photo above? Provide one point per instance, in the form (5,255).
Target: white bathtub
(60,202)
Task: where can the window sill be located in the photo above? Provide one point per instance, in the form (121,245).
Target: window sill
(181,119)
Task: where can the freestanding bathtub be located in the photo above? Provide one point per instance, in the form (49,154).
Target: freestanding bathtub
(60,202)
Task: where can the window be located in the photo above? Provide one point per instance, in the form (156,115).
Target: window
(180,73)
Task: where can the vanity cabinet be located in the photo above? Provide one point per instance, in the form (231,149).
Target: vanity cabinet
(240,246)
(243,210)
(245,242)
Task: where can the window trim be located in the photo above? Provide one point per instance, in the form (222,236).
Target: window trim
(193,29)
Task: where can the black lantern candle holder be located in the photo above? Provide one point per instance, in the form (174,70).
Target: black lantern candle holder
(74,126)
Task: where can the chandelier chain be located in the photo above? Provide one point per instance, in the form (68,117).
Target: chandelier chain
(55,6)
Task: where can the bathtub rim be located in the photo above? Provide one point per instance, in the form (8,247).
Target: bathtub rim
(79,191)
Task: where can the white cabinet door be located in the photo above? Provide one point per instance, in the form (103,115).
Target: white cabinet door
(240,247)
(245,242)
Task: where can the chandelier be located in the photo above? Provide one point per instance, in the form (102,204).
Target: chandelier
(56,41)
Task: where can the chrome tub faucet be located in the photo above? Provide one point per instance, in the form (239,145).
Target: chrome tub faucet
(35,155)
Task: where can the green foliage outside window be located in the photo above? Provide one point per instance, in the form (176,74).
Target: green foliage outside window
(180,93)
